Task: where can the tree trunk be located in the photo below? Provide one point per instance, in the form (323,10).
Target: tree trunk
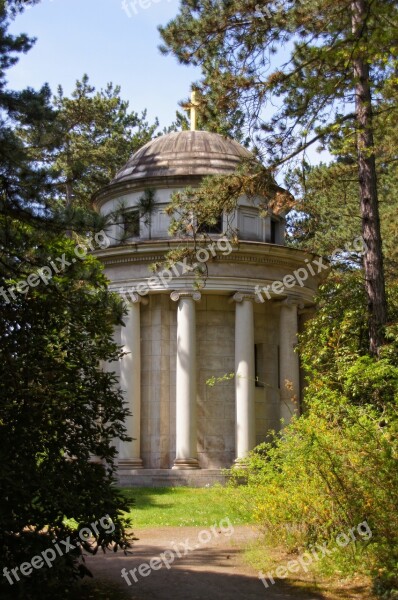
(373,258)
(69,195)
(68,188)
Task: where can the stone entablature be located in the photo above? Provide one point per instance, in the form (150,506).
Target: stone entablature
(248,266)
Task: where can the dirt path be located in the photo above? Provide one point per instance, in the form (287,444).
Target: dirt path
(211,566)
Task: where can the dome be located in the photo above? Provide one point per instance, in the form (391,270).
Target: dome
(185,153)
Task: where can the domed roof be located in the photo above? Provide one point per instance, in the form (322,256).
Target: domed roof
(195,153)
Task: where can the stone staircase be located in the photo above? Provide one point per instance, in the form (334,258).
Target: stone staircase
(169,478)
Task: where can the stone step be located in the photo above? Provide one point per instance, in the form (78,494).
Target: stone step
(169,478)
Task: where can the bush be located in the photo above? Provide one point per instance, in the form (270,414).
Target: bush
(58,409)
(336,466)
(329,471)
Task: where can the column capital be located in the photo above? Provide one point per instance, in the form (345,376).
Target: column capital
(242,296)
(307,310)
(132,297)
(180,294)
(292,300)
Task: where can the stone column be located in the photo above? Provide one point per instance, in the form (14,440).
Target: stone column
(130,381)
(186,432)
(289,361)
(244,375)
(304,315)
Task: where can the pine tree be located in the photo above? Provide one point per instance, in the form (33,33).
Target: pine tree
(93,134)
(327,215)
(301,72)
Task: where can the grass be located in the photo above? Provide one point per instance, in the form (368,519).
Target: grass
(181,507)
(328,584)
(204,507)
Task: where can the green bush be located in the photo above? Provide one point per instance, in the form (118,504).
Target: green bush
(336,466)
(329,471)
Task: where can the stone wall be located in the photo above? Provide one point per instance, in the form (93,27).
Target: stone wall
(266,338)
(216,405)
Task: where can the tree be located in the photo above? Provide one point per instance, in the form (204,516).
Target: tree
(302,72)
(92,136)
(58,408)
(327,215)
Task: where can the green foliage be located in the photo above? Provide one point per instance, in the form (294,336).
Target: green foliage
(329,471)
(58,408)
(367,382)
(92,136)
(335,466)
(337,333)
(327,214)
(335,339)
(216,380)
(287,67)
(303,73)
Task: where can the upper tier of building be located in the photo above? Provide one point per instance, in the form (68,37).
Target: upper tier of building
(170,163)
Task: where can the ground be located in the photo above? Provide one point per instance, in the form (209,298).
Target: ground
(216,569)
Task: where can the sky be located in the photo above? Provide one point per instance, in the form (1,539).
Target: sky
(110,44)
(110,41)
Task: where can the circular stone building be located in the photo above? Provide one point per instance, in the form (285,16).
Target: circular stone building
(244,321)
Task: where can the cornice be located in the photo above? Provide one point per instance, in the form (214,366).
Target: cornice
(246,253)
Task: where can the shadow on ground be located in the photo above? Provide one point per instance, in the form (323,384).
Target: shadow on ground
(205,574)
(212,571)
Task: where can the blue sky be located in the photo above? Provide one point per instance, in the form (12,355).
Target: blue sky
(109,43)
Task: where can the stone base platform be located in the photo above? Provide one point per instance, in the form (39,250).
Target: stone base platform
(170,478)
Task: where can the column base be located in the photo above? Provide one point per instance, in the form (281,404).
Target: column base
(240,463)
(130,463)
(185,463)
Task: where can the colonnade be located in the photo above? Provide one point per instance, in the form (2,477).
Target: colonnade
(186,428)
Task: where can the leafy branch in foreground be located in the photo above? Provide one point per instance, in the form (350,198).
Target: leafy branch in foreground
(194,210)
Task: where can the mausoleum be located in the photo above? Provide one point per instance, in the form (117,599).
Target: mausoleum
(177,337)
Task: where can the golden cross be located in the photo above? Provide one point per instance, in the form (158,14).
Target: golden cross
(192,106)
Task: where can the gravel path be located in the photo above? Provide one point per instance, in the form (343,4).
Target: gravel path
(210,566)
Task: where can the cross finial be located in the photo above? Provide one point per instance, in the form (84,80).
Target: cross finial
(192,106)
